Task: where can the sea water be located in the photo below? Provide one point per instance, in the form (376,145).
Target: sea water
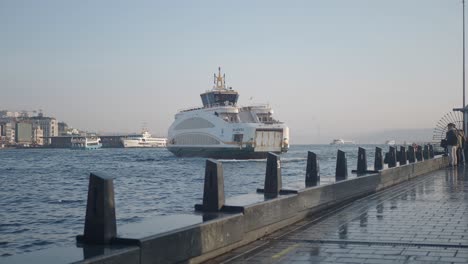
(43,192)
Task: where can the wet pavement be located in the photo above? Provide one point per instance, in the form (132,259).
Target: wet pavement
(424,220)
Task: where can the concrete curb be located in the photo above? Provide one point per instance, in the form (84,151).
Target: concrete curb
(212,238)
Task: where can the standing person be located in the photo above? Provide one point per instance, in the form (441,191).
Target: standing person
(452,142)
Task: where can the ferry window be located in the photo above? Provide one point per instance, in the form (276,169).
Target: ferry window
(238,137)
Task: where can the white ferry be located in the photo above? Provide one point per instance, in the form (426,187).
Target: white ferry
(341,142)
(221,129)
(144,141)
(85,142)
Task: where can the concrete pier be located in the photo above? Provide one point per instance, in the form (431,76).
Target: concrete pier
(199,237)
(418,221)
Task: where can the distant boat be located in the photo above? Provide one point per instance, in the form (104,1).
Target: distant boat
(144,141)
(85,142)
(341,142)
(390,142)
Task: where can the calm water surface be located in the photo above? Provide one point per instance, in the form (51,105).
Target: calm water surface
(43,192)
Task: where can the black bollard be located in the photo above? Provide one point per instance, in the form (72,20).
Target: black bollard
(341,172)
(272,176)
(100,224)
(419,153)
(402,155)
(431,151)
(378,161)
(392,157)
(213,191)
(312,170)
(411,154)
(397,154)
(426,152)
(362,161)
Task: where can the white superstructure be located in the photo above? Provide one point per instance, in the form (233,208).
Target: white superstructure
(85,142)
(144,141)
(221,129)
(341,142)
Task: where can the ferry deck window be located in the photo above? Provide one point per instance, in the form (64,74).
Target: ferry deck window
(238,138)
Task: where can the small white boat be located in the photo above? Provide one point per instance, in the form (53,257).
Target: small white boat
(341,142)
(390,142)
(85,142)
(144,141)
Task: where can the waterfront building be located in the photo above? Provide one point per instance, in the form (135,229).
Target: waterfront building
(10,132)
(49,126)
(37,134)
(2,135)
(9,114)
(62,128)
(23,133)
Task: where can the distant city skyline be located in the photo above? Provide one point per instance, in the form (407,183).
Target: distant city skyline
(330,69)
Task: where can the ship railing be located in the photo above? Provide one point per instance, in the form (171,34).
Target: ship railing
(190,109)
(255,106)
(218,105)
(272,122)
(203,107)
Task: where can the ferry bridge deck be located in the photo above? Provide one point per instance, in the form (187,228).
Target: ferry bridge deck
(424,220)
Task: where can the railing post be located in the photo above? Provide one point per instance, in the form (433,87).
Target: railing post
(312,170)
(419,153)
(361,161)
(378,160)
(392,157)
(426,152)
(100,223)
(431,151)
(273,182)
(213,190)
(402,155)
(341,172)
(411,154)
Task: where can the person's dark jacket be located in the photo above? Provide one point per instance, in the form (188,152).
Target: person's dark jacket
(452,139)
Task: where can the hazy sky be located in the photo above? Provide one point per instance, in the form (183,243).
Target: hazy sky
(329,68)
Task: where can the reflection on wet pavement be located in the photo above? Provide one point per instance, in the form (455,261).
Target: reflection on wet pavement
(420,221)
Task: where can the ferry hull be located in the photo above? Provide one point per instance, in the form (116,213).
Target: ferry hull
(89,147)
(128,144)
(218,153)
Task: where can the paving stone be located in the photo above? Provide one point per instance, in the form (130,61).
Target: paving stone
(350,260)
(455,260)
